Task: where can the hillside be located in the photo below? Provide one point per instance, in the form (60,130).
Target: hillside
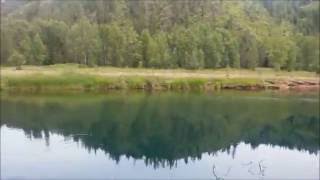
(192,34)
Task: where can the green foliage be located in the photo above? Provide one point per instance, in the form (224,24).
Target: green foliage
(119,45)
(165,34)
(308,57)
(249,54)
(211,43)
(147,50)
(34,50)
(195,60)
(17,59)
(53,33)
(82,42)
(281,51)
(159,55)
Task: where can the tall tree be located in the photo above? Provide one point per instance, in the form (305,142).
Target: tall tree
(249,54)
(17,59)
(83,42)
(54,34)
(34,50)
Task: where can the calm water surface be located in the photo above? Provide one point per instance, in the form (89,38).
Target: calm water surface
(258,135)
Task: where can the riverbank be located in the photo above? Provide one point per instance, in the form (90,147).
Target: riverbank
(70,77)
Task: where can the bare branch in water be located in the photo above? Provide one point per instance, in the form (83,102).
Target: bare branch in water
(259,164)
(227,173)
(255,169)
(261,168)
(215,174)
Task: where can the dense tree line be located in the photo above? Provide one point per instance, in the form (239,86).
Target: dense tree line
(188,34)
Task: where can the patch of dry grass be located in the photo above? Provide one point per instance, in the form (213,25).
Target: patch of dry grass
(60,69)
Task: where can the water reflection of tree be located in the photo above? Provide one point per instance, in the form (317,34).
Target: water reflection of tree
(159,152)
(256,169)
(161,130)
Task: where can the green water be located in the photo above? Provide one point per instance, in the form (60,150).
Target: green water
(160,135)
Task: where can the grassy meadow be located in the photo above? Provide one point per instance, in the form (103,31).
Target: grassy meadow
(71,77)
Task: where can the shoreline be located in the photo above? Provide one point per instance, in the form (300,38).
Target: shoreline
(70,78)
(157,84)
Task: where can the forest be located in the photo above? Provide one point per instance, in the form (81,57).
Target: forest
(166,34)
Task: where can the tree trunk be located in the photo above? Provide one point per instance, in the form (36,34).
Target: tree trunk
(19,67)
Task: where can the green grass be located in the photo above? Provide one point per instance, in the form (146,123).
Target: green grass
(70,77)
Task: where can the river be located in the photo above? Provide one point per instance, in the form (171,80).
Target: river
(137,135)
